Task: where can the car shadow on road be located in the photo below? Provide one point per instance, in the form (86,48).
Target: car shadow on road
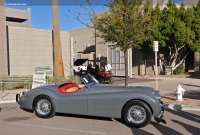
(191,129)
(186,115)
(135,131)
(83,117)
(164,129)
(161,128)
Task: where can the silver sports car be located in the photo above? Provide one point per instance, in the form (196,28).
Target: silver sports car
(136,105)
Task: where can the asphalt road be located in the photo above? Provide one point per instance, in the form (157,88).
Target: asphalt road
(14,121)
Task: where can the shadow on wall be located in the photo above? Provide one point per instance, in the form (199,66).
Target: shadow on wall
(143,61)
(89,49)
(102,63)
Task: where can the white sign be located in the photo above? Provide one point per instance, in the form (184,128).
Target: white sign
(155,46)
(39,79)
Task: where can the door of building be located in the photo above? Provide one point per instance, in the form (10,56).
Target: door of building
(116,59)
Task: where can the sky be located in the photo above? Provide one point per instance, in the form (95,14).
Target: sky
(41,12)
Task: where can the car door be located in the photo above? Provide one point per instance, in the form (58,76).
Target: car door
(104,104)
(74,103)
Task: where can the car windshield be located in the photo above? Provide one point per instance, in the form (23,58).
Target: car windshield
(89,80)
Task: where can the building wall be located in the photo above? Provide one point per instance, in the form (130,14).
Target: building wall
(30,48)
(3,40)
(16,14)
(83,40)
(102,48)
(143,63)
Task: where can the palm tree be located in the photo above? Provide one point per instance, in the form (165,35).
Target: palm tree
(58,69)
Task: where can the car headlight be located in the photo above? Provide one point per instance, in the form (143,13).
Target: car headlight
(23,98)
(157,95)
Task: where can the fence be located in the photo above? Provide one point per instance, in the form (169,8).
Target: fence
(25,82)
(15,82)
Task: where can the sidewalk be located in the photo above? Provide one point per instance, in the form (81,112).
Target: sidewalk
(9,96)
(166,86)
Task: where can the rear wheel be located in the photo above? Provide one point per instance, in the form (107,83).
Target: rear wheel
(137,114)
(111,80)
(100,80)
(43,107)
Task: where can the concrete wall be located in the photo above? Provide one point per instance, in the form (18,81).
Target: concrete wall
(3,40)
(102,48)
(30,48)
(83,40)
(18,15)
(143,62)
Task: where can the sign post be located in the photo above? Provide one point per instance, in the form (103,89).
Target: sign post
(155,49)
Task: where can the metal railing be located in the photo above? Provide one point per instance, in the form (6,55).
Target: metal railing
(15,82)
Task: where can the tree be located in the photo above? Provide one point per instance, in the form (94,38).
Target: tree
(174,33)
(196,28)
(123,25)
(58,69)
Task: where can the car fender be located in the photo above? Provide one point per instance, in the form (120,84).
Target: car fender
(146,97)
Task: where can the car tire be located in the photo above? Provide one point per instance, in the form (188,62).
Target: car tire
(111,81)
(137,114)
(100,80)
(44,107)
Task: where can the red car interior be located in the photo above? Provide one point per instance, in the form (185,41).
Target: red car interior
(68,88)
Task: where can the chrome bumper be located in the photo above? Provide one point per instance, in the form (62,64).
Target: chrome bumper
(18,97)
(160,117)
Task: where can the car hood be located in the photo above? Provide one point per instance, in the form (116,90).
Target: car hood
(110,88)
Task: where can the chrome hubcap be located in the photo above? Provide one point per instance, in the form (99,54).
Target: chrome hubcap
(136,114)
(43,107)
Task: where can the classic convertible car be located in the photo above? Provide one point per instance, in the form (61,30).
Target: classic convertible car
(136,105)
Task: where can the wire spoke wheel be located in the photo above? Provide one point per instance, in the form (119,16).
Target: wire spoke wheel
(43,107)
(136,114)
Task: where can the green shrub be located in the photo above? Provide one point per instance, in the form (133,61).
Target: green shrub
(74,79)
(56,79)
(179,70)
(61,79)
(15,82)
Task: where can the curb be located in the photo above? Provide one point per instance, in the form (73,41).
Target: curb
(182,107)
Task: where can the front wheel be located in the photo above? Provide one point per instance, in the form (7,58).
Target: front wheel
(137,114)
(43,107)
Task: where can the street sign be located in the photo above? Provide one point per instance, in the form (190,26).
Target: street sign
(155,46)
(155,49)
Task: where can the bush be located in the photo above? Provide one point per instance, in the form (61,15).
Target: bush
(74,79)
(179,70)
(61,79)
(15,82)
(56,79)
